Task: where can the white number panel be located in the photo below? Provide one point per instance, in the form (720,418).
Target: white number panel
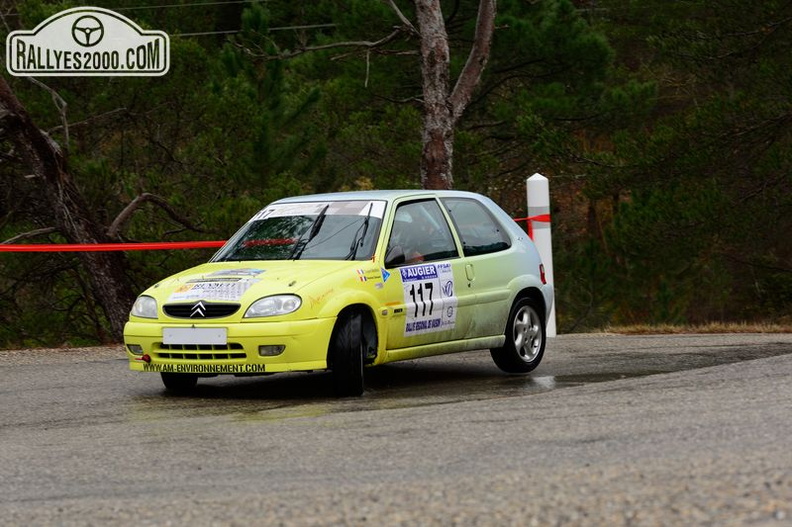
(429,297)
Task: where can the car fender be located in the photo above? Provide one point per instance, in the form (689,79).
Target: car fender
(520,284)
(343,299)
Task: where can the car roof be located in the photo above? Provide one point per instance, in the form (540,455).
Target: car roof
(390,196)
(384,195)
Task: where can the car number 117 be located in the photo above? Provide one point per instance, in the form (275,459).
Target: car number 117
(429,298)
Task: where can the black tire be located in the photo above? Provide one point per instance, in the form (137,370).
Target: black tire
(179,382)
(346,355)
(525,339)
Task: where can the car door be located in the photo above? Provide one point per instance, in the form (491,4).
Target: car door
(488,262)
(428,288)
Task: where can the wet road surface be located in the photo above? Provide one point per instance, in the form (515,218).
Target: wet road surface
(608,429)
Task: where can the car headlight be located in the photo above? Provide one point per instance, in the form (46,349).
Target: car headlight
(274,305)
(145,306)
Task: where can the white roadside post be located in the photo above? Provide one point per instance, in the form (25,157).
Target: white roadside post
(538,193)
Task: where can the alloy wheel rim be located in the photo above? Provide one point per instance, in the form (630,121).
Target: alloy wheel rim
(527,334)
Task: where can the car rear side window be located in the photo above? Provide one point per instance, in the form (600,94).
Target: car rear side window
(478,229)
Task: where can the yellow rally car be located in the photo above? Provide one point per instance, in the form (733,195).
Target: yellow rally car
(348,280)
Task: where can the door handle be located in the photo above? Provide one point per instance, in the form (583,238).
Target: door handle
(469,272)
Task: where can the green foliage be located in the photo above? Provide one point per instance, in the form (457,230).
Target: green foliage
(667,242)
(664,127)
(702,227)
(218,138)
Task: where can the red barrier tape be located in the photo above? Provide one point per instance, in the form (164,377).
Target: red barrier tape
(159,246)
(95,247)
(543,218)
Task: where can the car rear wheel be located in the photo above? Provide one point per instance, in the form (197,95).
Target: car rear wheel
(179,382)
(525,339)
(346,355)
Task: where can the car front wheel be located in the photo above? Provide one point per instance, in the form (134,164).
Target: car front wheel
(346,353)
(179,382)
(525,339)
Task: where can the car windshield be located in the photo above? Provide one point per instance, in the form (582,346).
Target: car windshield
(330,230)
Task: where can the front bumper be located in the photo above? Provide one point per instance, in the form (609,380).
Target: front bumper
(305,347)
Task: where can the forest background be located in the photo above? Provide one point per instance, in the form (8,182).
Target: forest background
(663,126)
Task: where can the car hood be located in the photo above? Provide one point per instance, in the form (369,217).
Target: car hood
(243,282)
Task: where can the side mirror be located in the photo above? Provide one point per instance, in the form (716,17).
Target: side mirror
(395,256)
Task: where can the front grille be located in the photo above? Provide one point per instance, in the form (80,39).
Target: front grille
(200,310)
(202,356)
(202,347)
(200,352)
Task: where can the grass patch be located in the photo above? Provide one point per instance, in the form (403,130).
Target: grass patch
(710,327)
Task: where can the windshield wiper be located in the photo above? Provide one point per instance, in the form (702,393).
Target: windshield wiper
(299,247)
(357,242)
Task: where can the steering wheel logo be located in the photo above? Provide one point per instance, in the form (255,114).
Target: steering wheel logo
(87,31)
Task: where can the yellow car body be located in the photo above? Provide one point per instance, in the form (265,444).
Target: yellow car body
(345,264)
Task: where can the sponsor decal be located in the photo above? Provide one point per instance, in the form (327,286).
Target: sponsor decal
(448,288)
(364,275)
(87,41)
(213,290)
(418,272)
(429,297)
(205,368)
(316,300)
(246,271)
(342,208)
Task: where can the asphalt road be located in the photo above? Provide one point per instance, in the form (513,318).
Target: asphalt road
(609,430)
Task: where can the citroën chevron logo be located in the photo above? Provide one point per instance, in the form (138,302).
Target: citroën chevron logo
(198,310)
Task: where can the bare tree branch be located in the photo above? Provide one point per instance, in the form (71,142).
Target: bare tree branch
(125,215)
(5,22)
(392,53)
(87,121)
(368,68)
(349,44)
(477,59)
(29,234)
(404,20)
(9,156)
(60,104)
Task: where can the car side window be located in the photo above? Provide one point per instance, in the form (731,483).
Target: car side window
(479,231)
(421,234)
